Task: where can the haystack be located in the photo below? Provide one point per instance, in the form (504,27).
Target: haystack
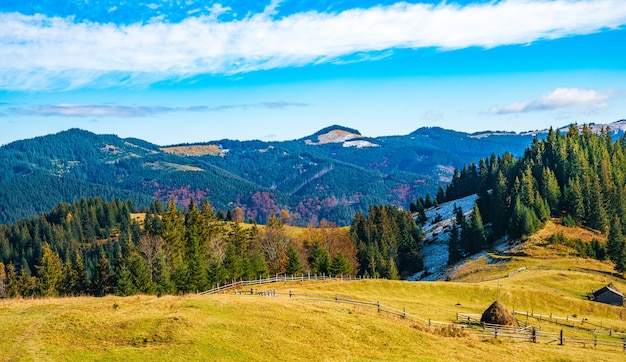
(498,314)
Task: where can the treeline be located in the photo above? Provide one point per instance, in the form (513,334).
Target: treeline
(578,176)
(92,247)
(389,242)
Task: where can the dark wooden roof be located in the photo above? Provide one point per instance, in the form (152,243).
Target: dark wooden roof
(608,288)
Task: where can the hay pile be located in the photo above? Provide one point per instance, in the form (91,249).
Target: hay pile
(498,314)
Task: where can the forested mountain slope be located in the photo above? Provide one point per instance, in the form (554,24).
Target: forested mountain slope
(329,175)
(578,176)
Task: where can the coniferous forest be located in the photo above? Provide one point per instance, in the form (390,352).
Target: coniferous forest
(578,176)
(92,247)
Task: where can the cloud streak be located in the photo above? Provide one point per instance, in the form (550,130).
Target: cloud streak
(107,110)
(44,53)
(584,100)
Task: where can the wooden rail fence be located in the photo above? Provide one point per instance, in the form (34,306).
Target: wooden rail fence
(469,322)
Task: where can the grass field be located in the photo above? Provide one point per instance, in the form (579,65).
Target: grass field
(243,327)
(229,327)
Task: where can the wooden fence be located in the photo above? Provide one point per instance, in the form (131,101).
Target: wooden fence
(276,279)
(468,322)
(579,323)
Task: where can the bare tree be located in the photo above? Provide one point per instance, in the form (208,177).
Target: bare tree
(149,247)
(274,243)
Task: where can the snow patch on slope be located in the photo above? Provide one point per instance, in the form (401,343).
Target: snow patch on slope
(437,234)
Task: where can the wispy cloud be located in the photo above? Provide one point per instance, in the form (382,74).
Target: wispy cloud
(431,116)
(40,52)
(583,100)
(107,110)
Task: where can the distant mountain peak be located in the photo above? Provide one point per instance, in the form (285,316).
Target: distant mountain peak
(333,134)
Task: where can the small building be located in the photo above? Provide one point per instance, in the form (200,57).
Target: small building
(609,295)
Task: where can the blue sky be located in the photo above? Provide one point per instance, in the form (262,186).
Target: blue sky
(173,71)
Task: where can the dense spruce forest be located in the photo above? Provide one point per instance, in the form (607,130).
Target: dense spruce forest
(578,176)
(92,247)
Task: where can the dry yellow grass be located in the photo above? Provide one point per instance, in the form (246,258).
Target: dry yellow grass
(234,327)
(534,252)
(195,150)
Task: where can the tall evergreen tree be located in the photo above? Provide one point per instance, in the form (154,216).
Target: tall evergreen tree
(101,280)
(340,265)
(616,245)
(319,259)
(294,265)
(50,273)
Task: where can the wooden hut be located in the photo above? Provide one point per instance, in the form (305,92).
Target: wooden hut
(609,295)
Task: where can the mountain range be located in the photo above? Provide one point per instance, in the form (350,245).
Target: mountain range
(328,175)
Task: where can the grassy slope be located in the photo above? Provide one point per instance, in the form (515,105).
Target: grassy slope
(230,327)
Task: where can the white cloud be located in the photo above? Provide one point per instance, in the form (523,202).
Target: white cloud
(584,100)
(40,52)
(431,116)
(112,110)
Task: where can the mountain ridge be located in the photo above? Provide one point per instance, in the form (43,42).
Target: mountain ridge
(330,180)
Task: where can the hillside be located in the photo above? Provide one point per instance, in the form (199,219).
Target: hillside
(328,175)
(301,329)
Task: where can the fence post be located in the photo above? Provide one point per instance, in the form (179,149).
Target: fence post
(290,293)
(595,340)
(430,324)
(378,304)
(624,344)
(336,297)
(561,338)
(534,335)
(495,333)
(404,312)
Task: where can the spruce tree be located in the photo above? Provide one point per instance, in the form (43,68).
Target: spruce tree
(340,265)
(319,259)
(616,245)
(455,253)
(294,265)
(12,283)
(101,280)
(50,273)
(3,278)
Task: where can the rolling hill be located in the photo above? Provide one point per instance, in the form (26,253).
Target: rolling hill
(328,175)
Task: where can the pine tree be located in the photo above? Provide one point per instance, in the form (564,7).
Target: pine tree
(340,265)
(233,262)
(12,283)
(455,252)
(616,245)
(162,278)
(473,233)
(125,286)
(574,199)
(393,271)
(294,265)
(81,284)
(550,190)
(50,273)
(101,280)
(319,259)
(3,278)
(173,234)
